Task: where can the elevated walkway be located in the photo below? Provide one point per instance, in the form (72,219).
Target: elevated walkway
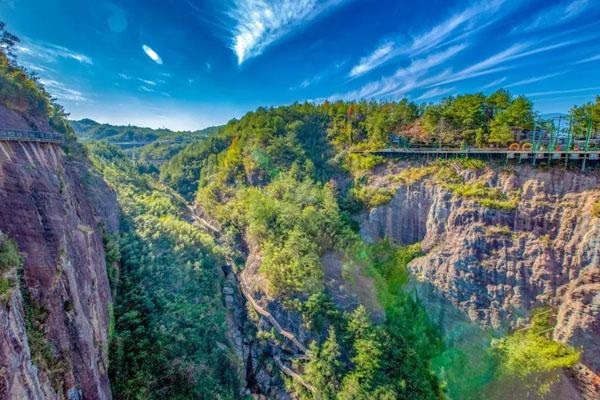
(585,157)
(10,135)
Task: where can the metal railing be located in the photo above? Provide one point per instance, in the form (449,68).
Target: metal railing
(30,136)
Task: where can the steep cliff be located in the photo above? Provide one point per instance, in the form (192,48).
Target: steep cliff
(496,262)
(54,335)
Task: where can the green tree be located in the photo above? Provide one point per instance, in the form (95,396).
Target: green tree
(325,368)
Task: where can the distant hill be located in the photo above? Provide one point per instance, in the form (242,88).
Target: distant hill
(147,144)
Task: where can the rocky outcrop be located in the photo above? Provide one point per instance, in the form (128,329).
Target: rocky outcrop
(267,336)
(497,265)
(54,327)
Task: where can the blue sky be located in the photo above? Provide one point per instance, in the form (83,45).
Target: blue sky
(187,64)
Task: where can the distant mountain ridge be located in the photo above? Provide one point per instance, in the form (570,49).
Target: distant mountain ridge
(88,129)
(146,144)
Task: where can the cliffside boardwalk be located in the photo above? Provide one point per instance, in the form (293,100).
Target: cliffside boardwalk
(534,156)
(30,136)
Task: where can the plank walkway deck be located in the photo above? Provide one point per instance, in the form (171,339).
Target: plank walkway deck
(30,136)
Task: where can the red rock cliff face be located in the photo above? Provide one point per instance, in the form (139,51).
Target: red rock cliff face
(497,265)
(47,205)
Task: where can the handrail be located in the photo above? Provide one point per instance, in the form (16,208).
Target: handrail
(30,136)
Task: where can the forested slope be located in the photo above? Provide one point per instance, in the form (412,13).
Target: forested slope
(285,188)
(168,338)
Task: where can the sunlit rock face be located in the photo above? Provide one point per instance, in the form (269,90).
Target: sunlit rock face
(48,206)
(497,265)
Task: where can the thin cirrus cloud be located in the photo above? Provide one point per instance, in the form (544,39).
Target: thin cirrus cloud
(152,54)
(257,24)
(589,59)
(63,92)
(465,22)
(421,72)
(536,79)
(50,53)
(555,15)
(435,92)
(565,91)
(495,83)
(404,79)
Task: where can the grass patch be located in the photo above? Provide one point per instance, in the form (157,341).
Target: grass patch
(446,173)
(483,194)
(494,230)
(6,287)
(596,209)
(9,255)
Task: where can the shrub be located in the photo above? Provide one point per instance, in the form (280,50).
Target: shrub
(9,255)
(531,354)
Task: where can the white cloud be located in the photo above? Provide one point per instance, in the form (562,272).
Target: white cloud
(382,54)
(466,22)
(147,82)
(308,82)
(589,59)
(152,54)
(555,15)
(50,53)
(435,92)
(404,79)
(419,74)
(494,83)
(535,79)
(62,92)
(146,89)
(553,92)
(260,23)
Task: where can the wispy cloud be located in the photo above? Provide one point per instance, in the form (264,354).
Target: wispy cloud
(536,79)
(420,73)
(381,54)
(404,79)
(308,82)
(260,23)
(147,82)
(51,53)
(495,83)
(565,91)
(435,92)
(62,92)
(146,89)
(313,80)
(463,23)
(589,59)
(152,54)
(555,15)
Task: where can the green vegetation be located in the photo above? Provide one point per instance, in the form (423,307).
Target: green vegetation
(146,144)
(294,222)
(531,354)
(386,361)
(447,174)
(43,353)
(21,91)
(584,115)
(9,254)
(596,209)
(167,313)
(272,185)
(10,260)
(373,196)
